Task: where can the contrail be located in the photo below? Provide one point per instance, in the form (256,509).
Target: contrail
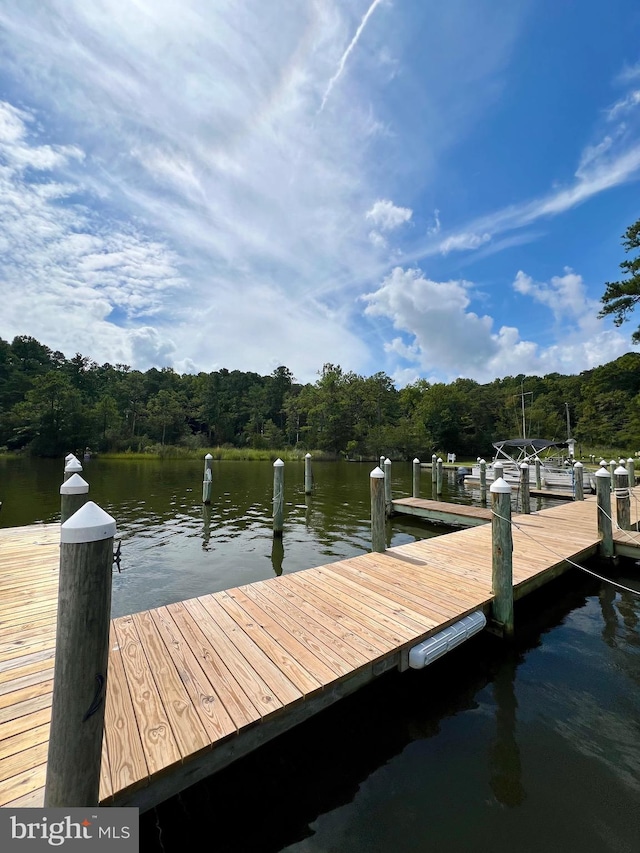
(345,55)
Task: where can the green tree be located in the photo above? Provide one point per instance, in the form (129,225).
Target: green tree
(621,297)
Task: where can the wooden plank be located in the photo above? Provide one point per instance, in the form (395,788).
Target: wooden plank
(39,665)
(185,723)
(23,740)
(25,723)
(214,717)
(283,649)
(236,702)
(260,694)
(24,760)
(23,784)
(26,707)
(274,678)
(30,691)
(127,763)
(160,745)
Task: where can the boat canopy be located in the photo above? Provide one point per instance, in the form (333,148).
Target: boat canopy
(522,443)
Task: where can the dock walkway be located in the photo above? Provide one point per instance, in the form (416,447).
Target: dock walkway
(196,684)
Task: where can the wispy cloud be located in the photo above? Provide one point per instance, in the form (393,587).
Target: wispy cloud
(345,56)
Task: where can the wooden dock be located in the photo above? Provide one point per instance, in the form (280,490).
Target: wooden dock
(441,512)
(195,685)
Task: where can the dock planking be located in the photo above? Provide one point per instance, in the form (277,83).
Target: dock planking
(195,684)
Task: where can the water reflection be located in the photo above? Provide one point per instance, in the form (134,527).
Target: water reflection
(504,755)
(277,554)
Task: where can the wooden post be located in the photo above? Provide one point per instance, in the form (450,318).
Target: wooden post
(382,458)
(603,497)
(416,478)
(538,475)
(378,537)
(631,468)
(439,477)
(72,467)
(207,480)
(578,481)
(612,473)
(502,555)
(308,475)
(82,651)
(73,495)
(525,499)
(483,480)
(434,471)
(278,497)
(388,497)
(623,499)
(498,470)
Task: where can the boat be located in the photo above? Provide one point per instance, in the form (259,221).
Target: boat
(556,467)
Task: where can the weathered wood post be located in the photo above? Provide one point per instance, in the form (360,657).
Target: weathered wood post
(483,480)
(308,475)
(578,481)
(416,478)
(502,555)
(278,497)
(612,473)
(623,498)
(73,495)
(538,474)
(377,511)
(388,496)
(603,497)
(382,458)
(631,468)
(72,467)
(525,498)
(434,472)
(498,470)
(207,480)
(439,477)
(82,651)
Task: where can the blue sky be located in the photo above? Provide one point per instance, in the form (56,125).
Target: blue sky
(430,189)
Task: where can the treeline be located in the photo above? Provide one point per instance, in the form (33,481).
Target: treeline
(49,404)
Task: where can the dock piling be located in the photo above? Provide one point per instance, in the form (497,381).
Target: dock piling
(502,556)
(578,481)
(483,481)
(623,499)
(73,495)
(388,496)
(308,475)
(416,478)
(278,497)
(612,473)
(605,527)
(207,480)
(72,467)
(631,469)
(525,492)
(538,474)
(378,538)
(439,477)
(82,648)
(434,471)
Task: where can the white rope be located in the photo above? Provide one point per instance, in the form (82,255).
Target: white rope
(566,559)
(614,523)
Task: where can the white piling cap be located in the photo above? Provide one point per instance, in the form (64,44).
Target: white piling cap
(434,456)
(482,461)
(75,485)
(524,466)
(578,465)
(387,461)
(278,463)
(416,460)
(630,459)
(603,462)
(620,470)
(208,456)
(602,472)
(89,524)
(377,472)
(69,457)
(307,456)
(612,462)
(500,487)
(73,465)
(439,459)
(621,462)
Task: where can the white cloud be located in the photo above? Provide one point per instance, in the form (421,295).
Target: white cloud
(387,216)
(462,242)
(565,295)
(624,105)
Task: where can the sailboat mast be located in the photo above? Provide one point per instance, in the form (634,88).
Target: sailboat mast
(524,423)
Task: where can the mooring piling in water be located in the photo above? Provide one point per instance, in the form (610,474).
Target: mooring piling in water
(623,498)
(578,481)
(483,480)
(605,526)
(502,556)
(612,474)
(278,497)
(82,648)
(388,496)
(308,475)
(439,477)
(378,514)
(434,471)
(538,474)
(72,467)
(207,480)
(525,493)
(415,480)
(73,495)
(631,469)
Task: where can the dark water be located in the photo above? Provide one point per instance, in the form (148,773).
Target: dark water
(534,747)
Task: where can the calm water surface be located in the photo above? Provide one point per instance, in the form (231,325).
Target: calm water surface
(529,748)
